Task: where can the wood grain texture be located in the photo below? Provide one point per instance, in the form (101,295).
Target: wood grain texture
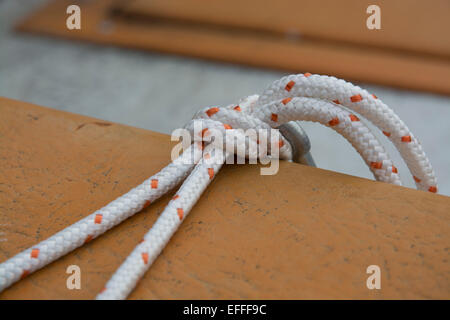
(411,25)
(302,233)
(370,63)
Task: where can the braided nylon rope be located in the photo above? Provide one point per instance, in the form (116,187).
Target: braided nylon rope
(307,97)
(368,106)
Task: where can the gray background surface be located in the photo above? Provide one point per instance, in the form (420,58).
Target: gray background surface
(161,92)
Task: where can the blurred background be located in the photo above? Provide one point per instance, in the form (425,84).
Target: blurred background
(199,54)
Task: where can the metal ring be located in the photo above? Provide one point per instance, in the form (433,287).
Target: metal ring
(299,141)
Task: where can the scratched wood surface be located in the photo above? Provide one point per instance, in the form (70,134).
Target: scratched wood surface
(302,233)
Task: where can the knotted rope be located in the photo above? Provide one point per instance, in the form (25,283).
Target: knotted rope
(307,97)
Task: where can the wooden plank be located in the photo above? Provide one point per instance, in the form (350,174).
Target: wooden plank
(302,233)
(354,63)
(411,25)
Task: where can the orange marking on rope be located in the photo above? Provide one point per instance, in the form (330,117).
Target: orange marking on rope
(35,253)
(204,131)
(374,96)
(212,111)
(274,117)
(24,274)
(416,179)
(406,139)
(201,145)
(227,126)
(98,218)
(237,108)
(145,257)
(356,98)
(387,134)
(207,156)
(354,118)
(394,169)
(286,100)
(88,238)
(376,165)
(154,183)
(146,204)
(280,143)
(333,122)
(211,173)
(289,85)
(337,101)
(307,74)
(432,189)
(175,197)
(180,212)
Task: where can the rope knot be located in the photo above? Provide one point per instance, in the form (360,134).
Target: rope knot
(237,129)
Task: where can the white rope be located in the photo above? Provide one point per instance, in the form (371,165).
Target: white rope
(307,97)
